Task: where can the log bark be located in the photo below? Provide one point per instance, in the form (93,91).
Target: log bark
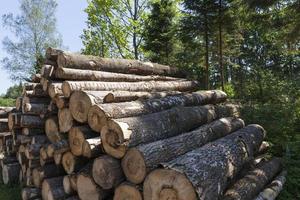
(77,138)
(128,191)
(39,139)
(254,181)
(35,109)
(19,103)
(123,96)
(81,102)
(142,159)
(86,187)
(208,168)
(72,163)
(52,129)
(33,151)
(92,148)
(31,193)
(36,78)
(107,172)
(47,71)
(92,75)
(32,131)
(35,100)
(31,121)
(65,120)
(274,188)
(99,114)
(58,147)
(52,53)
(47,171)
(68,186)
(55,89)
(10,173)
(4,111)
(52,189)
(4,125)
(73,198)
(70,86)
(77,61)
(119,134)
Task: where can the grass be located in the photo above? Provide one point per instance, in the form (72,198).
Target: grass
(10,192)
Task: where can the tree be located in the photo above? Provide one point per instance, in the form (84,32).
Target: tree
(34,30)
(160,31)
(114,28)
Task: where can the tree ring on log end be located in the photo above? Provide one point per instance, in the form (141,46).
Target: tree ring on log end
(96,118)
(76,140)
(68,162)
(125,192)
(164,184)
(80,104)
(66,89)
(134,166)
(87,189)
(113,141)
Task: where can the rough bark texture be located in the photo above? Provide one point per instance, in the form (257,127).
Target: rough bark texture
(31,193)
(101,113)
(35,109)
(61,146)
(47,171)
(31,121)
(52,53)
(91,75)
(272,190)
(254,181)
(128,191)
(32,131)
(69,86)
(4,111)
(120,133)
(10,173)
(92,148)
(77,138)
(140,160)
(76,61)
(52,189)
(81,102)
(61,102)
(72,163)
(209,167)
(4,125)
(123,96)
(107,172)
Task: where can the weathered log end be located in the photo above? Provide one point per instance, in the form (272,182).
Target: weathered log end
(65,120)
(127,191)
(80,103)
(96,118)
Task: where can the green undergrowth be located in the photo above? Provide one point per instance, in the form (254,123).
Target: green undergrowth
(10,192)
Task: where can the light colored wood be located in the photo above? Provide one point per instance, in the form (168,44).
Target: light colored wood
(65,120)
(52,189)
(127,191)
(72,163)
(70,86)
(92,148)
(52,129)
(58,148)
(55,89)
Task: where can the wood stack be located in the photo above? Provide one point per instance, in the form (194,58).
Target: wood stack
(99,128)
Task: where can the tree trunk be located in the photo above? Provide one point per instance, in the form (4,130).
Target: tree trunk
(67,184)
(221,45)
(72,163)
(61,102)
(47,71)
(32,131)
(4,111)
(91,75)
(52,129)
(52,53)
(92,148)
(4,125)
(81,102)
(123,96)
(272,190)
(208,168)
(69,86)
(11,173)
(248,187)
(101,113)
(77,61)
(35,109)
(52,189)
(31,193)
(65,120)
(35,100)
(18,105)
(206,51)
(78,136)
(86,187)
(107,172)
(33,151)
(142,159)
(55,89)
(120,133)
(31,121)
(61,146)
(128,191)
(47,171)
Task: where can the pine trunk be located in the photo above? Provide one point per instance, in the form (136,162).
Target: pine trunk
(142,159)
(4,125)
(35,109)
(69,86)
(52,189)
(11,173)
(47,171)
(4,111)
(61,146)
(77,61)
(99,114)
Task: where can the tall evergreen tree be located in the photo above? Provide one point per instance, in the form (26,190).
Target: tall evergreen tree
(160,31)
(34,30)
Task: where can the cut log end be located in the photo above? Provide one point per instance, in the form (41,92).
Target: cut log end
(65,120)
(67,185)
(127,191)
(96,118)
(80,103)
(134,166)
(66,89)
(87,189)
(68,161)
(52,129)
(164,184)
(113,140)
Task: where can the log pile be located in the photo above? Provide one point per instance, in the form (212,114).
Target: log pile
(96,128)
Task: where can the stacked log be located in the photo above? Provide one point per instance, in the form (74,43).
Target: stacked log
(97,128)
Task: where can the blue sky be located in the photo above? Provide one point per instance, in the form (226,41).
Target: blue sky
(70,23)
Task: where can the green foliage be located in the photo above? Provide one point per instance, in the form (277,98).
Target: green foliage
(14,91)
(7,102)
(160,32)
(34,30)
(10,192)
